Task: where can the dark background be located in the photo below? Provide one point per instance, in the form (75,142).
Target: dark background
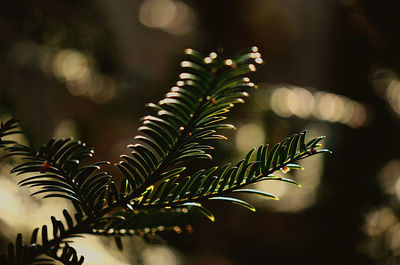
(333,46)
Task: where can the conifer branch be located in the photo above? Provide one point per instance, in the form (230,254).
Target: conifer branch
(155,193)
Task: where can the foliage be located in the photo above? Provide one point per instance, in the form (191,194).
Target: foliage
(156,192)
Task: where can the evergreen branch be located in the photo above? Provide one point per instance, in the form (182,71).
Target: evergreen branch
(185,195)
(141,222)
(58,172)
(190,114)
(57,248)
(7,128)
(153,196)
(205,184)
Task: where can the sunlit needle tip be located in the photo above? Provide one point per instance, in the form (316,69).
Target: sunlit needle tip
(254,49)
(188,51)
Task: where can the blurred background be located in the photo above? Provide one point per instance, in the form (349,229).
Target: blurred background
(87,68)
